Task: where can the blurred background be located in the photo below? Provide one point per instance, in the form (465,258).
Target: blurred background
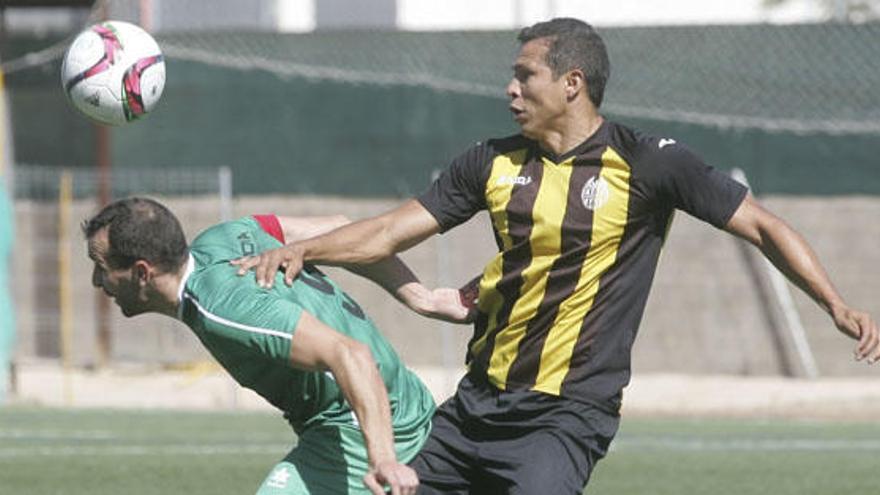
(307,107)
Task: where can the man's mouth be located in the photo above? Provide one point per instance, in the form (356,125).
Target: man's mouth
(518,113)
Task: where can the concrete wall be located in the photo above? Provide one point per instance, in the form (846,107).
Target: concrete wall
(707,312)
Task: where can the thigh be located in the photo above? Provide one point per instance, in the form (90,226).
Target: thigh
(445,463)
(326,461)
(284,479)
(553,452)
(543,464)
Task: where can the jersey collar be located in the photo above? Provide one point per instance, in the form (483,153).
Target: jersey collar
(593,145)
(190,267)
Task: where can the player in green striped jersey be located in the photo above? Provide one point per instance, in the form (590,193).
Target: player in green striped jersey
(308,349)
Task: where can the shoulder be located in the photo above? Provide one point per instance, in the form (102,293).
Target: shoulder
(211,285)
(483,152)
(648,154)
(230,240)
(635,145)
(224,230)
(509,143)
(222,297)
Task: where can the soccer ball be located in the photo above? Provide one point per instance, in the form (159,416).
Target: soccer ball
(113,72)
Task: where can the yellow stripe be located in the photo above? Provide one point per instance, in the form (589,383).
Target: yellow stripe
(609,222)
(498,191)
(546,245)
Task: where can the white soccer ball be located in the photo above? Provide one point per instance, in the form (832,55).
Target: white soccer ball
(113,72)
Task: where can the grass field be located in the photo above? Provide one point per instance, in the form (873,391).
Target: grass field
(78,452)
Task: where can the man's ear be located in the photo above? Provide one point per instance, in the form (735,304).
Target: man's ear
(575,82)
(143,271)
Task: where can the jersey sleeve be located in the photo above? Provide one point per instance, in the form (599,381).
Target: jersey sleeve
(255,319)
(271,225)
(459,192)
(681,180)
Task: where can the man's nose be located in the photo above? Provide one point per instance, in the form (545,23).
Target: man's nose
(513,88)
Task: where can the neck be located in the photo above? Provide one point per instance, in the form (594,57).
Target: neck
(166,287)
(573,130)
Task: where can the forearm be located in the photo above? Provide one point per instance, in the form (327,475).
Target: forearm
(389,273)
(794,257)
(360,243)
(357,243)
(787,250)
(358,377)
(373,239)
(393,275)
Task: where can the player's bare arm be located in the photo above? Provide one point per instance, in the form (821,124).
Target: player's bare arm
(794,257)
(316,346)
(301,228)
(359,243)
(391,273)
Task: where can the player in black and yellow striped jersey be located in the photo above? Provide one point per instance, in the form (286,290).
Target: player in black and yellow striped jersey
(579,236)
(580,208)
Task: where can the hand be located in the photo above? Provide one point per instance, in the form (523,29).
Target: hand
(469,293)
(449,305)
(456,305)
(860,326)
(400,478)
(267,263)
(443,304)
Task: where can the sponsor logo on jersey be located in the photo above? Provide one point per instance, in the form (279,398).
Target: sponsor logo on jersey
(595,193)
(510,180)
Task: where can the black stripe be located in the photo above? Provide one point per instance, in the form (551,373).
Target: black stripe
(562,279)
(602,354)
(516,259)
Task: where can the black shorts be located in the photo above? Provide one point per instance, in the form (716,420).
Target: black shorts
(487,442)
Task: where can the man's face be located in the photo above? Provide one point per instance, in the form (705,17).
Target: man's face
(121,284)
(537,100)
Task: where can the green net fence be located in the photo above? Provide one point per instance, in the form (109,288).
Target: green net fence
(759,97)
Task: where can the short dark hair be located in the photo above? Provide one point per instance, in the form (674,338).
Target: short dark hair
(140,229)
(574,44)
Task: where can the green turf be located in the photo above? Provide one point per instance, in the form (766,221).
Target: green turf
(59,452)
(740,458)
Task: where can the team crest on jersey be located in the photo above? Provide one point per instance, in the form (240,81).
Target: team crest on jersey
(595,193)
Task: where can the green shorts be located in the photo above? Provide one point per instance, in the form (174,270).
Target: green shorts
(332,459)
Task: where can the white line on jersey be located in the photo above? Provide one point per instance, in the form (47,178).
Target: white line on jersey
(233,324)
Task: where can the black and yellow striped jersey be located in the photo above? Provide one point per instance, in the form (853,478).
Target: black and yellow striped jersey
(579,236)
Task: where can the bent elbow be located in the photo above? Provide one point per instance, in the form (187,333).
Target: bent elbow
(355,354)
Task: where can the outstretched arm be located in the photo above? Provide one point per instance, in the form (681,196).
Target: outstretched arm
(355,246)
(358,243)
(391,273)
(315,346)
(792,255)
